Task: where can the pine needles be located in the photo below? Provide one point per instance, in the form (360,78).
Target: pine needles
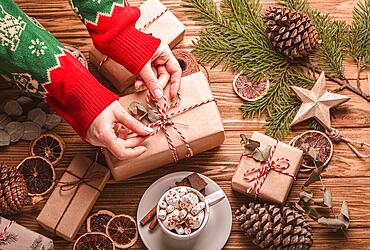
(235,37)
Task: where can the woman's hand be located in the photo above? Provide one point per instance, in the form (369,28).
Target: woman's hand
(105,132)
(161,68)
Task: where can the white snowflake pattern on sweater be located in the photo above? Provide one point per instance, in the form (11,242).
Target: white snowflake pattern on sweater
(37,47)
(11,29)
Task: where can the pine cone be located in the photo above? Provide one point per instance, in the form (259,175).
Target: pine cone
(275,227)
(292,33)
(13,190)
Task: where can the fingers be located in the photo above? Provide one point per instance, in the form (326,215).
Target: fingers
(122,116)
(151,81)
(118,147)
(174,69)
(163,76)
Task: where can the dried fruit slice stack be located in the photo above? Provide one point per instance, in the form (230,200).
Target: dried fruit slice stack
(121,229)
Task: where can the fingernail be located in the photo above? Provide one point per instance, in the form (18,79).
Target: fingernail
(158,93)
(149,130)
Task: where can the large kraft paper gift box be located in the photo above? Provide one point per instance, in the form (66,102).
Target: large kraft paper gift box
(74,196)
(17,237)
(203,129)
(276,186)
(155,19)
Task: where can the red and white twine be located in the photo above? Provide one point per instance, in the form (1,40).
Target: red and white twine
(279,165)
(3,232)
(165,120)
(153,20)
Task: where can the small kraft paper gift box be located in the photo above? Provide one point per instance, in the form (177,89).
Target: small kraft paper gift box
(191,126)
(270,180)
(155,19)
(16,237)
(74,196)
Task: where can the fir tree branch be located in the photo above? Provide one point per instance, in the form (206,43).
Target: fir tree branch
(358,42)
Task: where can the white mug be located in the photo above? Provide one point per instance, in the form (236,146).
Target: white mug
(209,200)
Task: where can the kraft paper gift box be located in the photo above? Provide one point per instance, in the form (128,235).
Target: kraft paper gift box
(165,27)
(74,196)
(203,129)
(17,237)
(276,186)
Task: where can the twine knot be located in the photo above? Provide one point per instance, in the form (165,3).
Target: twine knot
(4,231)
(165,120)
(335,135)
(279,165)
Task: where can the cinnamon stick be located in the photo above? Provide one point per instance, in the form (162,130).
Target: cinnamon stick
(153,223)
(148,216)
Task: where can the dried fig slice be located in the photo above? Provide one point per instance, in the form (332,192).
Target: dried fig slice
(122,230)
(315,143)
(39,175)
(98,221)
(94,241)
(250,90)
(49,146)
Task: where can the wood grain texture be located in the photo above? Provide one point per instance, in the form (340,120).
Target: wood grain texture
(347,176)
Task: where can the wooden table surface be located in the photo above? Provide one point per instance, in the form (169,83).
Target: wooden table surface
(347,176)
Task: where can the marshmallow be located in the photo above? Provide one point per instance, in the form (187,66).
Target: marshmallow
(198,220)
(182,191)
(172,197)
(194,222)
(162,214)
(179,229)
(197,208)
(183,214)
(163,204)
(187,230)
(170,209)
(169,224)
(174,215)
(188,201)
(189,220)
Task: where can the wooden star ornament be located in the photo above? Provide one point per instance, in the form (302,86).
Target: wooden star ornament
(316,103)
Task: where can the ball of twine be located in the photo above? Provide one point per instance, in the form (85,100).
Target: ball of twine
(187,61)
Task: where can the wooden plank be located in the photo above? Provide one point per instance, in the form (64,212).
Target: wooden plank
(346,176)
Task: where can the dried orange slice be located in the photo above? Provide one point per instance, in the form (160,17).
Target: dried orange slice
(94,241)
(122,230)
(98,221)
(49,146)
(39,175)
(314,143)
(250,90)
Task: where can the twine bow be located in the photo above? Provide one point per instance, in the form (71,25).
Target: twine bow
(6,228)
(279,165)
(69,185)
(162,112)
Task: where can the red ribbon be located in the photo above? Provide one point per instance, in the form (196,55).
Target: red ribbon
(3,232)
(279,165)
(164,120)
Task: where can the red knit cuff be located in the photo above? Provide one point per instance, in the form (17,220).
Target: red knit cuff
(87,99)
(132,48)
